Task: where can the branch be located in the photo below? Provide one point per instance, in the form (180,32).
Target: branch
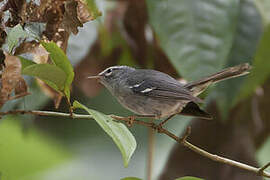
(259,171)
(47,113)
(184,142)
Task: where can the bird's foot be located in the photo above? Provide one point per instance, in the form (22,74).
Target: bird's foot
(129,120)
(158,127)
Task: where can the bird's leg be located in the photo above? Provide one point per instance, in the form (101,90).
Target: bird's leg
(145,116)
(130,119)
(166,120)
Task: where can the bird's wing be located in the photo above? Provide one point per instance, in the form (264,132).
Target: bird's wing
(159,85)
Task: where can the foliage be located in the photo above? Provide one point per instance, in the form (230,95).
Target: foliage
(231,41)
(15,35)
(190,38)
(243,50)
(61,61)
(261,67)
(92,8)
(118,132)
(183,27)
(56,78)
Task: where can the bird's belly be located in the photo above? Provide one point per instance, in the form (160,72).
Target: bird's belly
(149,106)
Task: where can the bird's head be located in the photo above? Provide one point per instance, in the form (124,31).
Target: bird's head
(112,76)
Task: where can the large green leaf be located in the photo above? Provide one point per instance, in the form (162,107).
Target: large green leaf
(196,35)
(59,58)
(261,67)
(25,62)
(51,74)
(188,178)
(248,33)
(120,134)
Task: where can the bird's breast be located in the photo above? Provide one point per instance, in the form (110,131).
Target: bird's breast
(148,106)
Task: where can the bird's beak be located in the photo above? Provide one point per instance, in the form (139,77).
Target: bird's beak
(93,77)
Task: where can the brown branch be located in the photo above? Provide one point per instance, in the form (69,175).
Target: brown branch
(47,113)
(259,171)
(18,96)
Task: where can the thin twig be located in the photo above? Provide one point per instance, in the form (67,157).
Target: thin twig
(217,158)
(18,96)
(259,171)
(46,113)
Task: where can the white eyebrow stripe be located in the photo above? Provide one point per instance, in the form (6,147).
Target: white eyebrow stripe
(115,67)
(148,90)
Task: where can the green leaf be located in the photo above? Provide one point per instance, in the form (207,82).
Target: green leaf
(196,35)
(59,58)
(188,178)
(131,178)
(25,62)
(261,67)
(51,74)
(247,35)
(15,35)
(117,131)
(92,8)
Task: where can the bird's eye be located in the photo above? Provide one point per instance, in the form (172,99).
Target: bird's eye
(108,72)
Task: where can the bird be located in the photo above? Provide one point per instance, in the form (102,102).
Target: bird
(151,93)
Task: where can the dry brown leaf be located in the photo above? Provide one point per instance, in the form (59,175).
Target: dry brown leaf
(21,87)
(54,14)
(83,13)
(3,36)
(51,13)
(40,55)
(2,59)
(26,47)
(15,8)
(70,20)
(11,79)
(56,96)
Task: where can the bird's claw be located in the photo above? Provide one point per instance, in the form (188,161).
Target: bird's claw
(130,121)
(158,128)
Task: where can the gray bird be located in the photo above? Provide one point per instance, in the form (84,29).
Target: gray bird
(155,94)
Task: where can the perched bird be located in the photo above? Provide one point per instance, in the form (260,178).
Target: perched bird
(151,93)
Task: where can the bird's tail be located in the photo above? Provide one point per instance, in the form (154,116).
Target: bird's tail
(199,86)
